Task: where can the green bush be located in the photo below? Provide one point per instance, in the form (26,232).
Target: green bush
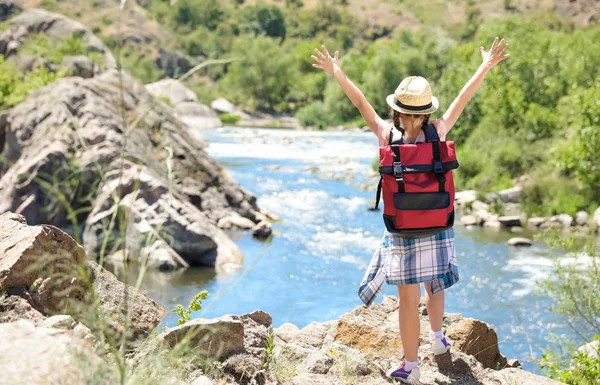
(55,50)
(229,119)
(16,86)
(314,115)
(552,195)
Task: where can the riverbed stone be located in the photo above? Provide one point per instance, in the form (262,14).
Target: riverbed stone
(493,224)
(535,222)
(520,241)
(60,321)
(287,332)
(510,220)
(596,217)
(581,218)
(262,230)
(464,197)
(565,219)
(469,220)
(511,195)
(479,206)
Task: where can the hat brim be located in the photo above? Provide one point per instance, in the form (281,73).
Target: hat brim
(391,101)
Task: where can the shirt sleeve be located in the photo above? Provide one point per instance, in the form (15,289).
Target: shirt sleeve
(440,127)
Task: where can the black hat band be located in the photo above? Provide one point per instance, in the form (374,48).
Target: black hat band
(412,108)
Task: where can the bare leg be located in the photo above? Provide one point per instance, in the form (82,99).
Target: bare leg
(435,307)
(410,328)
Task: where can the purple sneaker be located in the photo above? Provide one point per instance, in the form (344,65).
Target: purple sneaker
(440,345)
(406,376)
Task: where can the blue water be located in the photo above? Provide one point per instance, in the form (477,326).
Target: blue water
(311,269)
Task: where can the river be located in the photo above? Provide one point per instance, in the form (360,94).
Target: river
(311,269)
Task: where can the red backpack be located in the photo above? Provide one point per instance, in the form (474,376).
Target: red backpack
(417,184)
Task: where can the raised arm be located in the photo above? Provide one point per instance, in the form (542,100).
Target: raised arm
(331,67)
(490,59)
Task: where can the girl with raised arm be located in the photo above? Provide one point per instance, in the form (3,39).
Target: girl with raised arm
(430,260)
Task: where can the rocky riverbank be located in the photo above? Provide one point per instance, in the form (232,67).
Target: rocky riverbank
(98,155)
(64,319)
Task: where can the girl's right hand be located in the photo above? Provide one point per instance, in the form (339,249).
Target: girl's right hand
(325,61)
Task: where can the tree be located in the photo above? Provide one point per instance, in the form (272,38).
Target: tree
(267,20)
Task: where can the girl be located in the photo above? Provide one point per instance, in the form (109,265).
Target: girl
(412,104)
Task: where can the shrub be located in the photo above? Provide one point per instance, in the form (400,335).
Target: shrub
(229,119)
(314,115)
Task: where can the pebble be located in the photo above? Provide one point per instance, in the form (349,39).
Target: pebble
(520,242)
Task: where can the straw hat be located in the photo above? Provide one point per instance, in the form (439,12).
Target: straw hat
(413,96)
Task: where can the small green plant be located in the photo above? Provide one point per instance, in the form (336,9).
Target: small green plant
(581,369)
(229,119)
(195,305)
(269,354)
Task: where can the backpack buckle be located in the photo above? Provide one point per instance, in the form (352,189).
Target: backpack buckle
(438,168)
(398,170)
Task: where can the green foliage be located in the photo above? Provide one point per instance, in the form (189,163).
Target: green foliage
(577,368)
(261,76)
(55,50)
(195,305)
(314,115)
(195,13)
(553,195)
(574,286)
(229,119)
(16,86)
(267,20)
(269,353)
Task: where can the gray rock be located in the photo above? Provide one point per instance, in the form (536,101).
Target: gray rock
(314,333)
(464,197)
(33,355)
(14,308)
(514,363)
(565,219)
(318,362)
(520,242)
(483,216)
(81,66)
(581,218)
(516,229)
(61,321)
(596,217)
(469,220)
(116,297)
(173,90)
(235,220)
(493,224)
(162,257)
(535,222)
(491,197)
(255,334)
(287,332)
(262,230)
(591,349)
(244,368)
(512,195)
(510,220)
(51,24)
(203,380)
(217,338)
(260,317)
(479,206)
(553,222)
(223,106)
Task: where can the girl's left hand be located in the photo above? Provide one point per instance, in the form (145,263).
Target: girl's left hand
(495,55)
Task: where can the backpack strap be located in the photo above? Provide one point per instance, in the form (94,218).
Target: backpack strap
(431,136)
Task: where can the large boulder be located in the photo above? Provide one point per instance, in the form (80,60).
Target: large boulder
(185,102)
(122,304)
(68,140)
(53,25)
(42,355)
(41,259)
(14,308)
(478,339)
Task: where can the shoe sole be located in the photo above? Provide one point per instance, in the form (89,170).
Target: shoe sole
(409,380)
